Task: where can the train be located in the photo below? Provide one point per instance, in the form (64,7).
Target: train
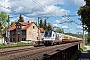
(52,37)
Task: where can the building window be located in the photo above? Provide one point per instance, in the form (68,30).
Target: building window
(18,32)
(13,33)
(18,26)
(23,39)
(53,34)
(33,27)
(13,39)
(23,32)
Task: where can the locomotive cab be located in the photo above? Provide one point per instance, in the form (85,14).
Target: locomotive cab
(51,38)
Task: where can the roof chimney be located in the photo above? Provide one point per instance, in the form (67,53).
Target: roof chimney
(28,21)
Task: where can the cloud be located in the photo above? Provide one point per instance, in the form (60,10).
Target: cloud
(29,19)
(55,25)
(34,8)
(80,27)
(57,21)
(74,3)
(3,5)
(71,29)
(66,18)
(78,2)
(65,27)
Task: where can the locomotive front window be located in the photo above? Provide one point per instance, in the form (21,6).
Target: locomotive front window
(48,34)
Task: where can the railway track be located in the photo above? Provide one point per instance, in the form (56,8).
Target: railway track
(35,53)
(18,51)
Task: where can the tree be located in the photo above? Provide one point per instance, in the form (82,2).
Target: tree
(41,24)
(45,25)
(3,21)
(12,23)
(84,12)
(21,18)
(49,27)
(59,30)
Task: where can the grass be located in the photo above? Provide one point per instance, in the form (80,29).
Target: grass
(21,44)
(77,53)
(2,45)
(0,36)
(16,44)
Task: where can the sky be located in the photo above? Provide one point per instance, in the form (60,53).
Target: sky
(56,10)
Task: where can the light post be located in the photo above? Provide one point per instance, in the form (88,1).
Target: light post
(38,31)
(83,36)
(8,32)
(83,32)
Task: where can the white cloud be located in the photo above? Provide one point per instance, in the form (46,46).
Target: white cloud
(79,2)
(65,27)
(74,3)
(4,5)
(71,29)
(29,19)
(57,21)
(34,7)
(80,27)
(55,25)
(66,18)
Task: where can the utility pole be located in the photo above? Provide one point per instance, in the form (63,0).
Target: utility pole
(83,36)
(38,32)
(8,32)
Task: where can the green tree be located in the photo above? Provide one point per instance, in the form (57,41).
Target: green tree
(12,23)
(45,25)
(49,27)
(84,12)
(59,30)
(41,24)
(3,21)
(21,19)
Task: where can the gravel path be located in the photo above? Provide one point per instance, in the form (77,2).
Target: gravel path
(85,55)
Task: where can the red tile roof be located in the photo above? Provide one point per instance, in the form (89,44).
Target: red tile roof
(42,30)
(13,27)
(26,24)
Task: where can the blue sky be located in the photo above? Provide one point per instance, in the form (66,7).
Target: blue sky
(54,9)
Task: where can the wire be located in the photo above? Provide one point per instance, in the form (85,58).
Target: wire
(68,18)
(69,15)
(43,7)
(9,9)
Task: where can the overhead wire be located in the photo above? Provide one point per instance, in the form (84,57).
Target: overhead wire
(25,7)
(43,7)
(51,13)
(68,18)
(9,9)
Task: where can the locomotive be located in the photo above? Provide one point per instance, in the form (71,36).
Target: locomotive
(52,37)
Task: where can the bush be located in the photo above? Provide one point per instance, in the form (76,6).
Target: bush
(77,53)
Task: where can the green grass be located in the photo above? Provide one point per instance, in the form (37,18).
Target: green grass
(77,53)
(21,44)
(0,36)
(16,44)
(2,45)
